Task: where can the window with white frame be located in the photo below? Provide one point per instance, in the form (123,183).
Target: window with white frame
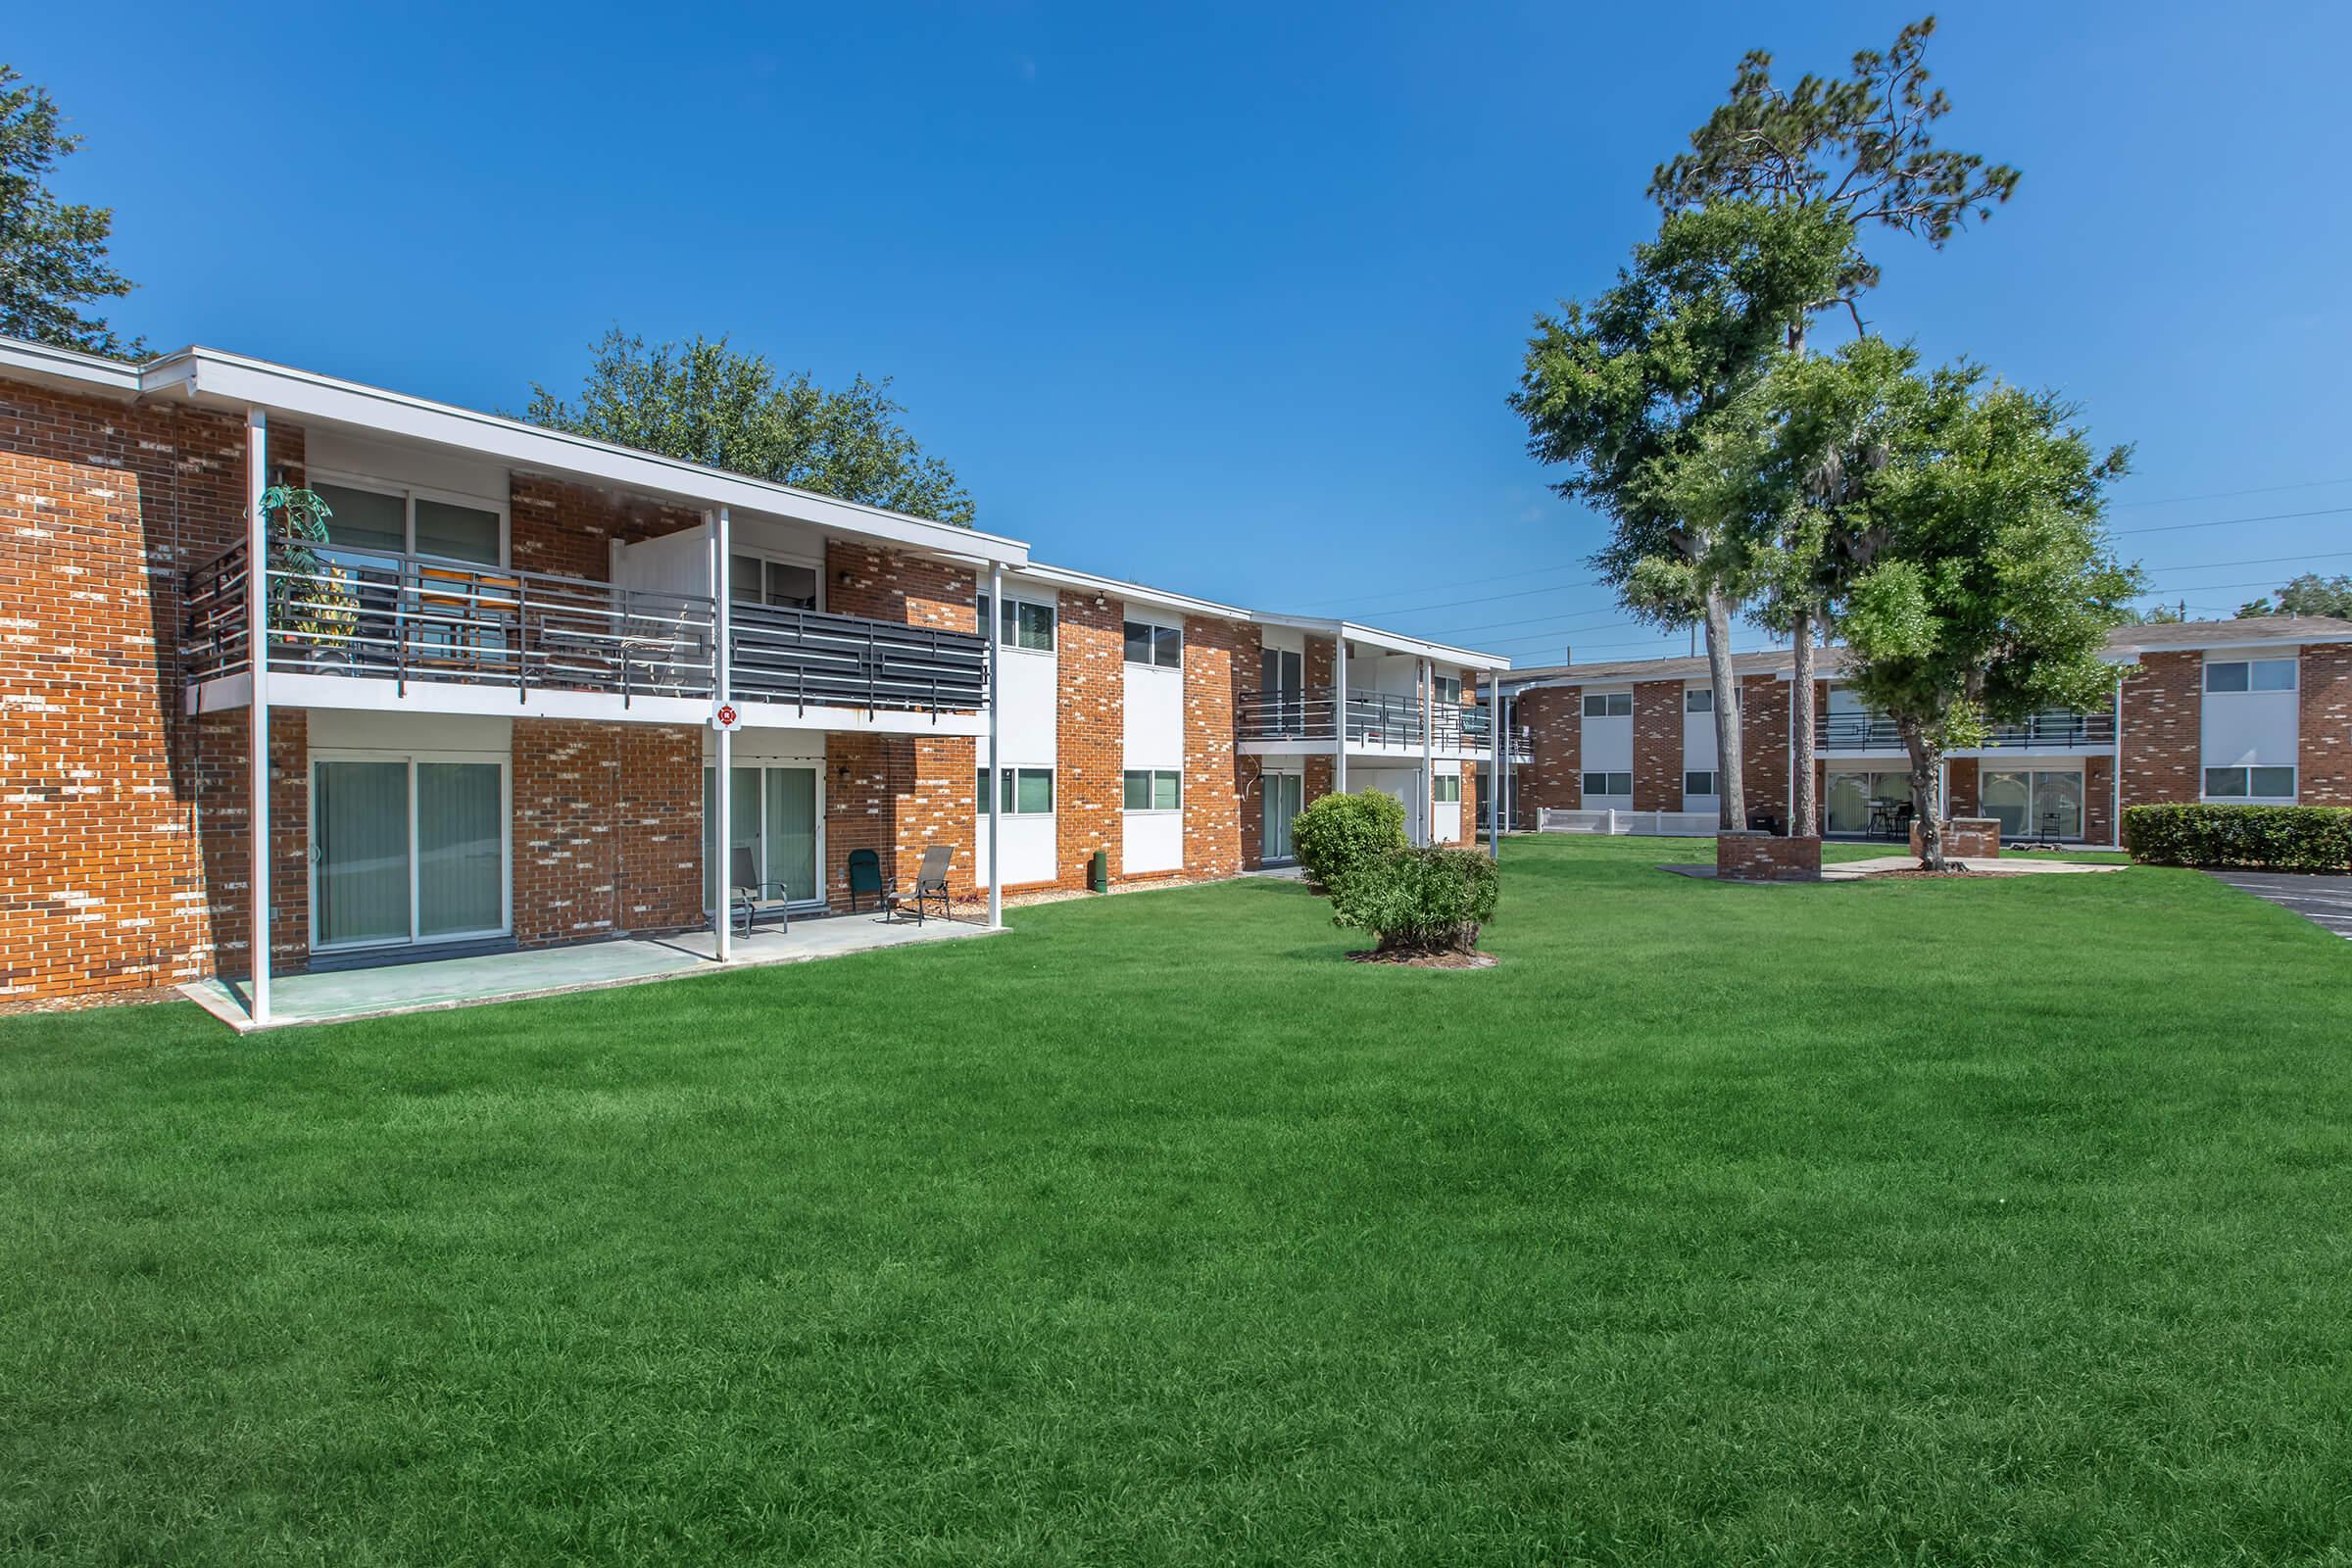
(1448,788)
(2250,676)
(1608,784)
(365,515)
(1698,700)
(1445,691)
(2250,783)
(1608,704)
(756,577)
(1153,788)
(1702,783)
(1020,791)
(1154,644)
(1024,623)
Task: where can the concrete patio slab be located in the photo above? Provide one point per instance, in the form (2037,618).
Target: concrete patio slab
(336,996)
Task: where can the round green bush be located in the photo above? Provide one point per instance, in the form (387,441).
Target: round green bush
(1420,901)
(1339,833)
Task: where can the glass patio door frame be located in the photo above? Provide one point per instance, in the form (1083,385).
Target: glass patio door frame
(415,937)
(2033,773)
(725,836)
(1269,816)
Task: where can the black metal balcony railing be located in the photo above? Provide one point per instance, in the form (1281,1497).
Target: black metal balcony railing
(805,657)
(2057,731)
(1374,718)
(383,615)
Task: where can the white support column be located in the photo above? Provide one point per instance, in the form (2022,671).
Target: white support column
(256,652)
(996,710)
(722,679)
(1338,667)
(1498,732)
(2115,772)
(1429,776)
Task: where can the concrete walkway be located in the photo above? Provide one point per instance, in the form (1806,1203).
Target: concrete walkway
(2325,901)
(336,996)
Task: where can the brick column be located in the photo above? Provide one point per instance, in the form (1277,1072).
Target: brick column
(1764,745)
(1553,717)
(1090,737)
(1223,817)
(2323,763)
(2163,720)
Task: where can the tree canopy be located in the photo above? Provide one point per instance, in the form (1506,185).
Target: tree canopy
(52,252)
(2307,595)
(712,404)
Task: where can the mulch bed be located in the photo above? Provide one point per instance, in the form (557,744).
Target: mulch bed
(1427,961)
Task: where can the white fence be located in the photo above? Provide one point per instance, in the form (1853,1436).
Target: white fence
(1662,825)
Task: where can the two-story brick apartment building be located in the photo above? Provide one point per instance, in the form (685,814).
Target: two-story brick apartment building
(2254,711)
(483,714)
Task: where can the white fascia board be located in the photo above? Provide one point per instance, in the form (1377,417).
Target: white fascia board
(69,370)
(1388,641)
(2233,644)
(234,381)
(1134,593)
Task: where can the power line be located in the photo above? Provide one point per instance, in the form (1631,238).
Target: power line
(2224,495)
(2225,522)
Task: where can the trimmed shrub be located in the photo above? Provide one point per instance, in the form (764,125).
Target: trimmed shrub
(1339,833)
(1420,901)
(2270,838)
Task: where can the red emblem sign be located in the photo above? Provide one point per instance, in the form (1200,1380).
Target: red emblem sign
(726,715)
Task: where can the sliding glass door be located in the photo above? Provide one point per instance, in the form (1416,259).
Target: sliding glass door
(407,850)
(1284,793)
(772,827)
(2028,804)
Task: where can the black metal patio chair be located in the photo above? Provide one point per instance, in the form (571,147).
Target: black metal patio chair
(758,900)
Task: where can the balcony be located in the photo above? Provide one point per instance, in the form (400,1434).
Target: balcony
(1376,721)
(2042,732)
(418,620)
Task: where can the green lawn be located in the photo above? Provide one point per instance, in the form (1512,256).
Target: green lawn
(1966,1222)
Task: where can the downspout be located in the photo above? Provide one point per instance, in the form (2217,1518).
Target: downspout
(722,676)
(257,659)
(996,709)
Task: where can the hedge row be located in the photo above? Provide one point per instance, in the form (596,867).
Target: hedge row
(2270,838)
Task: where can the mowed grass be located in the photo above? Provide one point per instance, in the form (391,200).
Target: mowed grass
(1969,1222)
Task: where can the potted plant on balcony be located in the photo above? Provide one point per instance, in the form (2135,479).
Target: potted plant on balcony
(313,607)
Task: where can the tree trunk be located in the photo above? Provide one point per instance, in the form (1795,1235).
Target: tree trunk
(1731,792)
(1926,792)
(1804,810)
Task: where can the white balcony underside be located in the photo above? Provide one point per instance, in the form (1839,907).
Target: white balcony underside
(291,688)
(1360,751)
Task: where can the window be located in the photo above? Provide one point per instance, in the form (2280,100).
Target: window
(2028,802)
(1021,791)
(2250,676)
(1699,783)
(2250,783)
(1608,704)
(403,522)
(1608,784)
(1149,788)
(1445,691)
(1700,699)
(1024,624)
(1159,646)
(765,580)
(1448,787)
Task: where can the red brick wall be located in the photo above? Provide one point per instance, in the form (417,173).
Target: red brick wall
(1658,746)
(884,586)
(1553,717)
(102,507)
(1744,856)
(1090,735)
(2163,728)
(608,824)
(2099,800)
(1223,817)
(1764,744)
(569,531)
(2325,714)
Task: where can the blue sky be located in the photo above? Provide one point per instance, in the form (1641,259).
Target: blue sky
(1226,298)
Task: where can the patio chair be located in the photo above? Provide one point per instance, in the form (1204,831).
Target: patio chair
(756,900)
(930,884)
(865,876)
